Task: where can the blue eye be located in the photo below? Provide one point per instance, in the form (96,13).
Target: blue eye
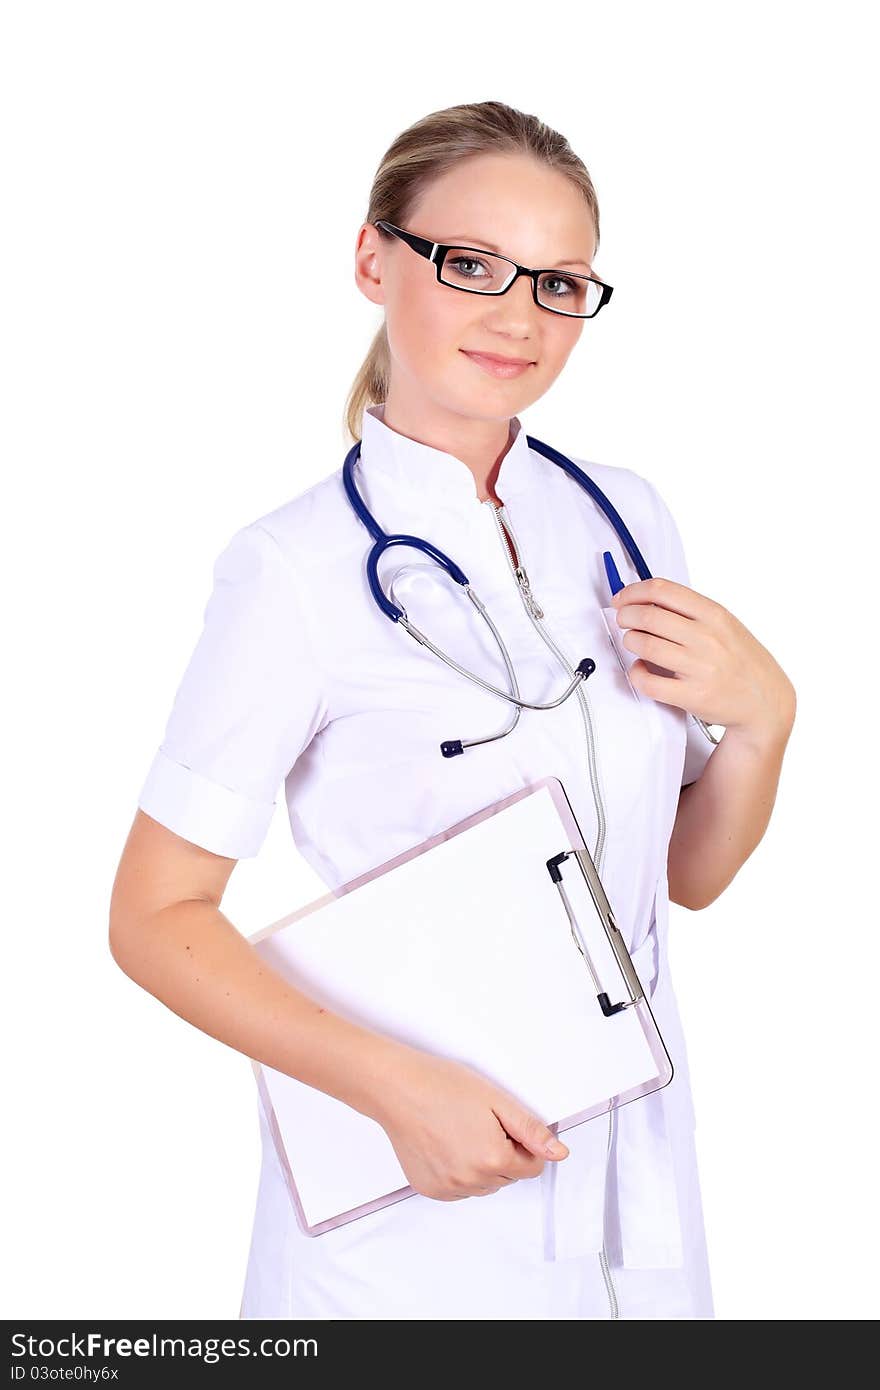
(458,261)
(562,280)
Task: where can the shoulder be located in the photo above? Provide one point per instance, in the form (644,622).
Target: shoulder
(638,502)
(634,496)
(306,534)
(647,515)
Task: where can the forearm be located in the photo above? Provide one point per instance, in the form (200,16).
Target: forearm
(192,958)
(722,816)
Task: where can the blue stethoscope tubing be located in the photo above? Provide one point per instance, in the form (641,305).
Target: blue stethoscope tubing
(383,542)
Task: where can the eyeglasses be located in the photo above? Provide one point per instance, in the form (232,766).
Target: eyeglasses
(481,272)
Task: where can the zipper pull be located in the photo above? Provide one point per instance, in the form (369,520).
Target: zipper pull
(523,581)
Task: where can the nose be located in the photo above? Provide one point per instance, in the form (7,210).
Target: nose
(515,311)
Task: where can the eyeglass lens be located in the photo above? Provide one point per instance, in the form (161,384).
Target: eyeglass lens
(488,274)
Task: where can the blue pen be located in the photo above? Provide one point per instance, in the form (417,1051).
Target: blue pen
(615,584)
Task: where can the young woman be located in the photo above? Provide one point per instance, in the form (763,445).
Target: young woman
(299,678)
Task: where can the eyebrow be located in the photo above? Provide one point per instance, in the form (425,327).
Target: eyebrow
(477,243)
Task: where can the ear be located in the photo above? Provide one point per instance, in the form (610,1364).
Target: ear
(368,266)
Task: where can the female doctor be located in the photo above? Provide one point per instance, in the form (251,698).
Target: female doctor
(299,677)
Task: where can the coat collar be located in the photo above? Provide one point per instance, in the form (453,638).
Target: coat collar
(422,474)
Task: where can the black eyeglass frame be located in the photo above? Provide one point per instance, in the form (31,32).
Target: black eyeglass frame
(435,251)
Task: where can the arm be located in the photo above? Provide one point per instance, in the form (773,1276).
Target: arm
(722,816)
(167,933)
(454,1131)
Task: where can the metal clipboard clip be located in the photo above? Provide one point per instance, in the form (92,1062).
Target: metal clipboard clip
(603,907)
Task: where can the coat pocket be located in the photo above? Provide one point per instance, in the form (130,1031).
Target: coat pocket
(625,658)
(665,723)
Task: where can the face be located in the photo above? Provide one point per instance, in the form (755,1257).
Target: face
(529,213)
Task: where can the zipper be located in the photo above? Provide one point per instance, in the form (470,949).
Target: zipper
(519,571)
(531,602)
(536,614)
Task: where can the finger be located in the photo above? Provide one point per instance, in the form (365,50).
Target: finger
(665,592)
(672,656)
(662,621)
(526,1130)
(522,1163)
(668,690)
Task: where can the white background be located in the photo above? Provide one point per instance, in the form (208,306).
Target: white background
(183,187)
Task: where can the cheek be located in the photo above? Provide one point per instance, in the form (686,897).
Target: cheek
(561,344)
(425,326)
(554,353)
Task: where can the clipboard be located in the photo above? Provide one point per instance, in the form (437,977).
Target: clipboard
(449,947)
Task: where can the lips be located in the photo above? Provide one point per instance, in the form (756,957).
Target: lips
(503,369)
(494,357)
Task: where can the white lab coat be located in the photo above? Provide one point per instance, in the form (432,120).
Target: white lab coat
(298,678)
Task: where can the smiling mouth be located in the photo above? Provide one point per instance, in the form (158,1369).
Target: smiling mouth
(494,357)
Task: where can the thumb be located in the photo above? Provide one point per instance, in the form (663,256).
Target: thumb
(531,1132)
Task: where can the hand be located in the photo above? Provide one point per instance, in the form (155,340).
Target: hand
(456,1133)
(721,672)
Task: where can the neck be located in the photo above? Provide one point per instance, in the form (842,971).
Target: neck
(480,444)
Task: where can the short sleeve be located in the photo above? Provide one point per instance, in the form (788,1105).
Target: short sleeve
(698,749)
(250,700)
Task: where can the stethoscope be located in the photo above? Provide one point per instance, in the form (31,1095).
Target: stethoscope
(397,614)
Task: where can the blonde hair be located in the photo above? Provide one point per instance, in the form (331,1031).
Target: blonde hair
(425,151)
